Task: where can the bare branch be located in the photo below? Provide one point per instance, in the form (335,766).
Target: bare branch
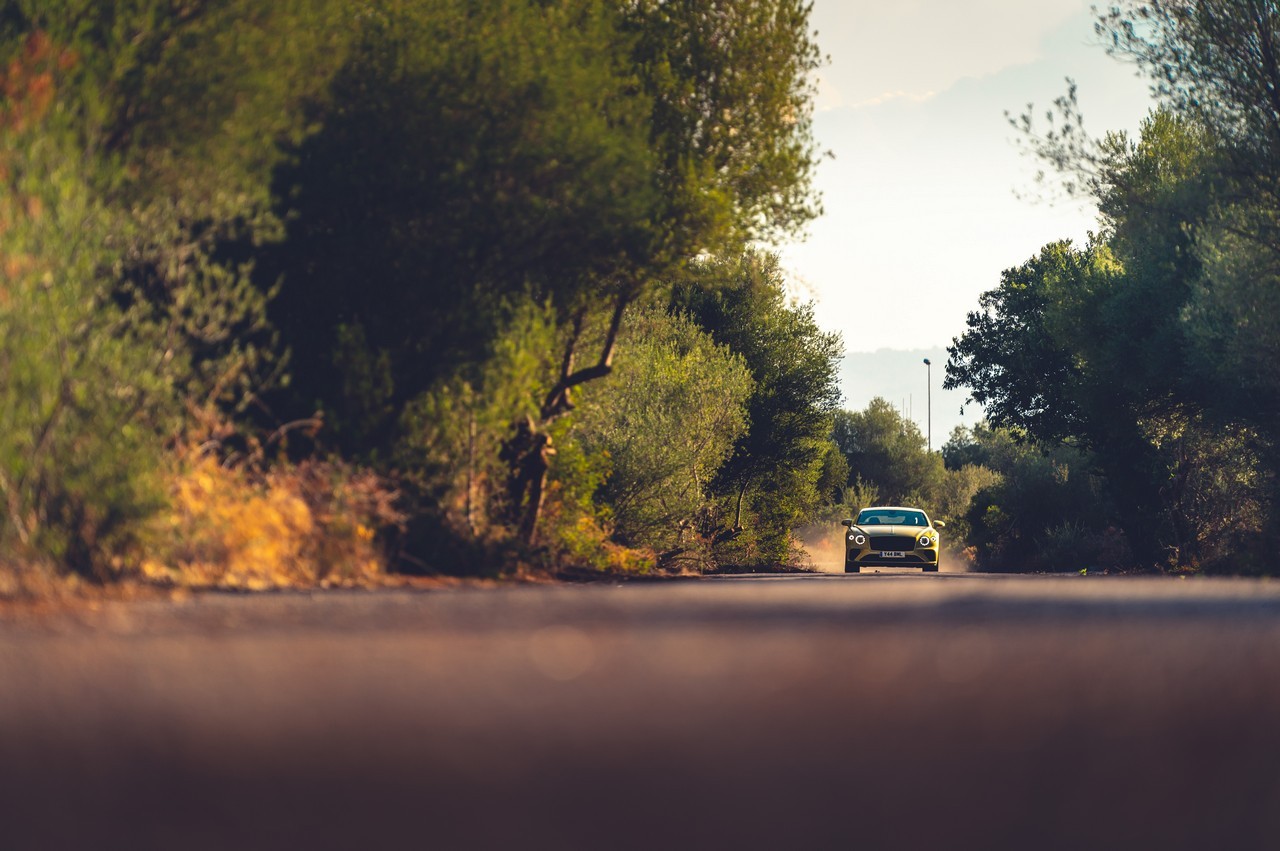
(558,401)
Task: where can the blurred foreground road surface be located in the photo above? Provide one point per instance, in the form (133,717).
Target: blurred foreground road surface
(880,711)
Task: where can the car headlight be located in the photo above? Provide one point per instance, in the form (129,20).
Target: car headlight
(858,539)
(925,540)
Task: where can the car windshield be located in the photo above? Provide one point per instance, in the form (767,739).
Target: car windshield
(891,517)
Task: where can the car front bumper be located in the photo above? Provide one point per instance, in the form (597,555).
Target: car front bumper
(863,557)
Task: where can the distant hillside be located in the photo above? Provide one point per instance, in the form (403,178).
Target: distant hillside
(901,377)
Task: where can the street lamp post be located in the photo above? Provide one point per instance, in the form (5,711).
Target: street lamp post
(929,397)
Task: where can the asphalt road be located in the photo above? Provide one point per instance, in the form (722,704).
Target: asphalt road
(871,711)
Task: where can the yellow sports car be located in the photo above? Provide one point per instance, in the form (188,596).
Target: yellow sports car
(890,536)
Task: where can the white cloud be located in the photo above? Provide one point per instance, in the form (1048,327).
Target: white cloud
(928,45)
(886,97)
(920,198)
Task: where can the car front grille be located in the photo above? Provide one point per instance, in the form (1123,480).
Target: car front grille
(893,543)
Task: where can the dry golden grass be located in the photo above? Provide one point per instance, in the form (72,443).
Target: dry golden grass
(305,525)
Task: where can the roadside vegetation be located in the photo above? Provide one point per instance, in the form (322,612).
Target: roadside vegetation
(307,292)
(303,292)
(1144,364)
(1010,504)
(1132,384)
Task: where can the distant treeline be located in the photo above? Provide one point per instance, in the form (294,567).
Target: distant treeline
(294,290)
(1010,504)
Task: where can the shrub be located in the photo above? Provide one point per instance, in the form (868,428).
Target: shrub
(317,522)
(1071,547)
(83,409)
(666,421)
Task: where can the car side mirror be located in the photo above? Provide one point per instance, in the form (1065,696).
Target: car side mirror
(846,522)
(939,525)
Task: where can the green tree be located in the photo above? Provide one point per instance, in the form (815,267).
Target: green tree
(887,450)
(1132,390)
(1194,200)
(1215,63)
(889,463)
(666,424)
(1032,507)
(193,99)
(474,155)
(1016,356)
(731,83)
(770,484)
(179,115)
(471,157)
(1170,390)
(954,500)
(84,404)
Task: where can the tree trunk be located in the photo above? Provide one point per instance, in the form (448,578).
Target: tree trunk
(528,452)
(471,473)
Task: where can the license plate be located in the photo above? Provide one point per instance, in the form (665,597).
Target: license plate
(893,555)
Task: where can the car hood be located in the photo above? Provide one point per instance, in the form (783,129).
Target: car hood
(881,529)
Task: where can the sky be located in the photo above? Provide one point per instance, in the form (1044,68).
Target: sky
(928,197)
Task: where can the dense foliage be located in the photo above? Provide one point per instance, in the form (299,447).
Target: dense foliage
(664,428)
(1151,351)
(404,244)
(779,470)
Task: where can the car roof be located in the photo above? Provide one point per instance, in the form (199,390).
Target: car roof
(891,508)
